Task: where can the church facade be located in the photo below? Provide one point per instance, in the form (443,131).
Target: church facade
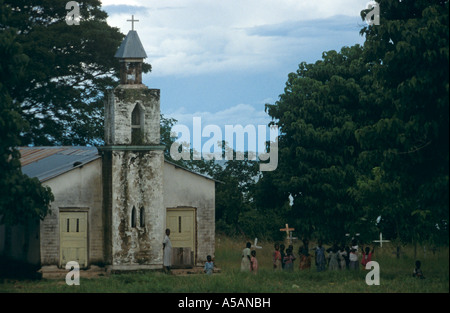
(114,202)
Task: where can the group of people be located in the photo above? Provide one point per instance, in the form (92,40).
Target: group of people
(333,258)
(339,257)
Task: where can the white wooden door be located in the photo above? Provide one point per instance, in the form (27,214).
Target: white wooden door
(73,237)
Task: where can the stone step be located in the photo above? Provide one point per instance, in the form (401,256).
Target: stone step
(53,272)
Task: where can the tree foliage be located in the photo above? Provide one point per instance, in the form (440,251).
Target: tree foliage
(21,198)
(323,105)
(409,51)
(365,131)
(69,69)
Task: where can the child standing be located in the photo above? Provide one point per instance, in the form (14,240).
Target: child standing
(320,257)
(283,254)
(209,265)
(333,264)
(245,262)
(305,258)
(353,257)
(277,257)
(366,255)
(289,260)
(254,262)
(342,256)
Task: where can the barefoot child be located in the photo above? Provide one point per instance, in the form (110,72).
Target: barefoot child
(254,262)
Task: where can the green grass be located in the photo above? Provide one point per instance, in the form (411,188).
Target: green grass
(395,276)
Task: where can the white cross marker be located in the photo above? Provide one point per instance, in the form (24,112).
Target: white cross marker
(256,244)
(290,238)
(381,240)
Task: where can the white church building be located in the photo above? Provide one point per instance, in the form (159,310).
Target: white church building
(114,202)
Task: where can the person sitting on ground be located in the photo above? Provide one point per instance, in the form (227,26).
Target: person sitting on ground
(417,271)
(209,265)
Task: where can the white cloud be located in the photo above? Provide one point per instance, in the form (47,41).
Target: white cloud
(191,37)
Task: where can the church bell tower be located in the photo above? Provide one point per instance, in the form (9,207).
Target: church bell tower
(133,162)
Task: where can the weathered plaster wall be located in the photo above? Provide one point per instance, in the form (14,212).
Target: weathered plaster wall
(78,188)
(118,108)
(137,181)
(185,189)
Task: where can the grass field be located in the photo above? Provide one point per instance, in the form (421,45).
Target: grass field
(395,276)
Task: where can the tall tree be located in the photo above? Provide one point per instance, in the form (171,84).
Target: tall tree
(408,144)
(70,67)
(22,199)
(323,105)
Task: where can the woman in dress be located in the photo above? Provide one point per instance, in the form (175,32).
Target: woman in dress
(245,262)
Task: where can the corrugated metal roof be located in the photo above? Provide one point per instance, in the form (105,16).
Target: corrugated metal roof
(48,162)
(131,47)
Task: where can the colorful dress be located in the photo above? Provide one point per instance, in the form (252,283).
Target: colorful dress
(254,263)
(366,258)
(289,262)
(305,258)
(245,262)
(276,260)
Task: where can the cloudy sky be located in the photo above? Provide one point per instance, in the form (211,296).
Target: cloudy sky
(224,60)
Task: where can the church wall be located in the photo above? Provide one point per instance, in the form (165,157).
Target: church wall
(137,182)
(185,189)
(81,189)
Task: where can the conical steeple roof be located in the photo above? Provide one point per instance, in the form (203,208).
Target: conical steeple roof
(131,47)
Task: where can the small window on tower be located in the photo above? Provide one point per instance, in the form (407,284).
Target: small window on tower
(142,217)
(136,126)
(133,217)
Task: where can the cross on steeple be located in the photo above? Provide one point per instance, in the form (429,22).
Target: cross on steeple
(132,22)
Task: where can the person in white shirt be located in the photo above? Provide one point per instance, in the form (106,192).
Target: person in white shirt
(167,246)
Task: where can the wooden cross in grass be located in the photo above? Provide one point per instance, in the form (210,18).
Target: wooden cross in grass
(256,244)
(288,232)
(381,240)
